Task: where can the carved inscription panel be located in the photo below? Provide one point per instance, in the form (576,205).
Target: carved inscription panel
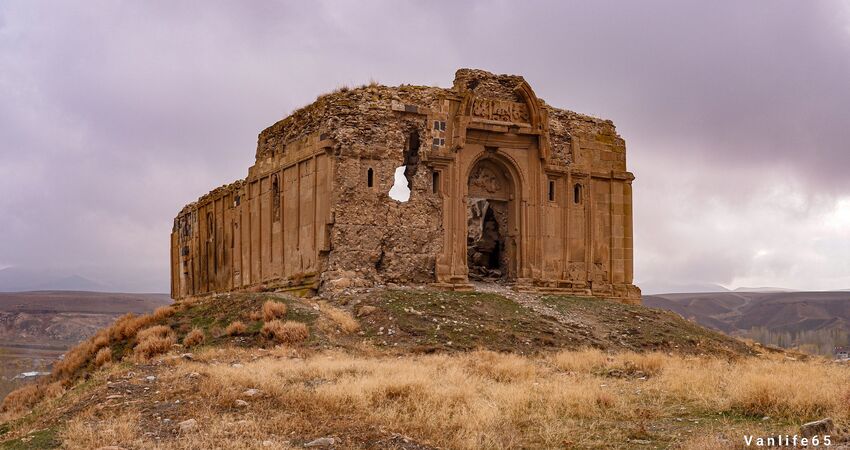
(500,110)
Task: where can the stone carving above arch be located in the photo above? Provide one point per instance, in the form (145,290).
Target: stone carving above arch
(487,181)
(483,108)
(499,110)
(489,101)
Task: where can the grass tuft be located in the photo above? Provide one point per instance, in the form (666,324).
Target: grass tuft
(194,338)
(235,328)
(153,341)
(273,310)
(288,332)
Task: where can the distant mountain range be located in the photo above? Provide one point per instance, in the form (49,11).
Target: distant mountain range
(655,287)
(772,308)
(17,279)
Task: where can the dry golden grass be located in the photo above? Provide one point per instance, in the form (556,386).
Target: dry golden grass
(594,360)
(194,338)
(128,325)
(484,399)
(101,339)
(28,396)
(103,357)
(341,318)
(235,328)
(79,356)
(90,432)
(163,312)
(224,431)
(153,341)
(479,399)
(273,310)
(289,332)
(124,328)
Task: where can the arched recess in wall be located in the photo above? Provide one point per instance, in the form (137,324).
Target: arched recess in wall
(211,247)
(493,240)
(275,198)
(577,193)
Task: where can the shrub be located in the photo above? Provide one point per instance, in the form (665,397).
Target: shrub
(235,328)
(128,325)
(163,312)
(288,332)
(153,341)
(101,339)
(342,318)
(273,310)
(103,357)
(154,331)
(26,397)
(194,337)
(74,359)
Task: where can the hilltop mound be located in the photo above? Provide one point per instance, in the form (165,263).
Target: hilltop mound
(409,369)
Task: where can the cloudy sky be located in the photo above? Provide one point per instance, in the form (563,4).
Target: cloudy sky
(736,116)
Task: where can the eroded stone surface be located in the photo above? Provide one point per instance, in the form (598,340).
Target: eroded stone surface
(314,214)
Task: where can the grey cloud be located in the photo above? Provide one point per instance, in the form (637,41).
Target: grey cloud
(115,114)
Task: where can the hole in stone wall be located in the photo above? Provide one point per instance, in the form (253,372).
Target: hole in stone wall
(577,193)
(370,178)
(435,182)
(411,157)
(403,177)
(379,264)
(400,190)
(551,191)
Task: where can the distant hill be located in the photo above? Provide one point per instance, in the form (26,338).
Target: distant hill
(18,279)
(815,319)
(762,289)
(739,311)
(37,327)
(63,318)
(653,287)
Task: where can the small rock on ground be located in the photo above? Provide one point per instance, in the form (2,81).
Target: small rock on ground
(188,425)
(321,442)
(818,427)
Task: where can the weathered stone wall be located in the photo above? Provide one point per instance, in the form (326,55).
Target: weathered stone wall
(314,211)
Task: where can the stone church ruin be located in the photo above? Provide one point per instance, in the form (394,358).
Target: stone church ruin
(502,187)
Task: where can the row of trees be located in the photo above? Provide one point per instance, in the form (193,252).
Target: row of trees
(815,342)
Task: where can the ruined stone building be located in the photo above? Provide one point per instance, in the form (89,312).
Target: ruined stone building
(502,186)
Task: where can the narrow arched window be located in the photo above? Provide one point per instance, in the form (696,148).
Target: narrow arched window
(551,190)
(370,178)
(577,193)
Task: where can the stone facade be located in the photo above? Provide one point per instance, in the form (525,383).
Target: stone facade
(503,186)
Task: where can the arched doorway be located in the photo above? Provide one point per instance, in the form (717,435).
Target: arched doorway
(491,222)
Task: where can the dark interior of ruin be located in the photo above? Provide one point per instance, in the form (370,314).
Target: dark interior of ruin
(486,256)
